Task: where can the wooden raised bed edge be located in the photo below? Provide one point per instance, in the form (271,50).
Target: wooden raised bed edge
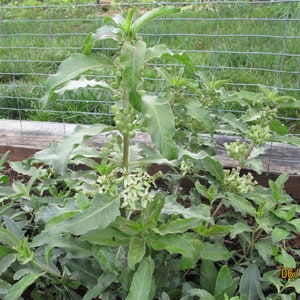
(24,138)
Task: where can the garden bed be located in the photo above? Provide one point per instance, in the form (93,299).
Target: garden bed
(25,138)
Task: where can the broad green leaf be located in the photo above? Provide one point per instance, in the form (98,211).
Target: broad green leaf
(16,290)
(295,284)
(178,226)
(248,283)
(152,212)
(286,259)
(217,230)
(8,238)
(278,127)
(13,227)
(104,211)
(157,51)
(4,287)
(238,228)
(7,261)
(296,223)
(4,251)
(84,271)
(234,122)
(189,262)
(77,64)
(107,258)
(202,212)
(118,20)
(213,166)
(172,243)
(107,32)
(131,60)
(265,250)
(137,249)
(57,155)
(151,15)
(288,139)
(104,281)
(142,281)
(196,111)
(208,276)
(214,252)
(274,278)
(240,204)
(161,125)
(224,280)
(82,82)
(279,234)
(202,294)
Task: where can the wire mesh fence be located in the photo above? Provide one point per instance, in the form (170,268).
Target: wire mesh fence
(246,42)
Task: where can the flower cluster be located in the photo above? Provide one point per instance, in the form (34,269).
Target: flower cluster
(258,134)
(235,183)
(237,150)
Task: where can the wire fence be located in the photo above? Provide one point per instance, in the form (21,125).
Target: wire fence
(248,43)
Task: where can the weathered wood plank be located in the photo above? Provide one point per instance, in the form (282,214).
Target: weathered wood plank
(26,137)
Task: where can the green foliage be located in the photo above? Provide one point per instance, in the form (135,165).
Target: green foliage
(115,230)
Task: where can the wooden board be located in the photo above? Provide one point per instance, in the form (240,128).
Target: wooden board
(26,137)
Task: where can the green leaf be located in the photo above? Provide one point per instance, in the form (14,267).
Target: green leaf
(279,234)
(201,212)
(214,252)
(196,111)
(104,281)
(202,294)
(288,139)
(160,124)
(151,15)
(295,284)
(75,65)
(131,60)
(265,250)
(286,259)
(142,281)
(7,261)
(296,223)
(249,283)
(104,211)
(224,280)
(8,238)
(238,228)
(155,52)
(217,230)
(15,291)
(106,32)
(172,243)
(178,226)
(214,167)
(84,271)
(208,275)
(128,21)
(4,287)
(137,249)
(82,82)
(275,125)
(152,212)
(240,204)
(118,20)
(58,155)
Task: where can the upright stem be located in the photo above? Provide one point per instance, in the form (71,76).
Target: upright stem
(126,141)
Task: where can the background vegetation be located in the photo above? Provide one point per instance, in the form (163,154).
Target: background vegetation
(239,42)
